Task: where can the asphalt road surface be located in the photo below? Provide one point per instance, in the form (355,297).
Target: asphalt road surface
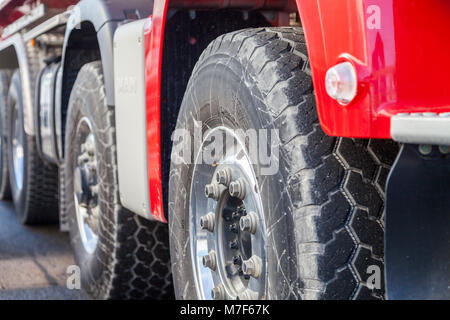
(33,260)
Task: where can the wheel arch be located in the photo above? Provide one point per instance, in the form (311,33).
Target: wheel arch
(14,54)
(89,37)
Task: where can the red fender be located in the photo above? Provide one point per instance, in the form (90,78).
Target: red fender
(154,38)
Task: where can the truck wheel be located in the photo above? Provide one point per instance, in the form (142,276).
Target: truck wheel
(121,255)
(34,184)
(305,225)
(5,191)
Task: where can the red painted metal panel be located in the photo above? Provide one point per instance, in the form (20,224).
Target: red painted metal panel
(153,55)
(401,63)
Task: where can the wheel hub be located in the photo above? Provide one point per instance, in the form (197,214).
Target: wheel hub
(85,186)
(228,239)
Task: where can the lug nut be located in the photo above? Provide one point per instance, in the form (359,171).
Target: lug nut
(248,295)
(223,176)
(207,222)
(249,222)
(237,189)
(252,267)
(218,293)
(210,261)
(212,191)
(234,245)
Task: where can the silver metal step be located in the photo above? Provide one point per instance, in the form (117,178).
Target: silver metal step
(421,128)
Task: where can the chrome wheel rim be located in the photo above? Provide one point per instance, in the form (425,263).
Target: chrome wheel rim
(18,152)
(222,248)
(85,186)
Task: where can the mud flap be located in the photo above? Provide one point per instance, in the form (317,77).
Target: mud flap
(417,237)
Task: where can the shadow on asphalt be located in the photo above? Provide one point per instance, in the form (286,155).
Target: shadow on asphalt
(33,260)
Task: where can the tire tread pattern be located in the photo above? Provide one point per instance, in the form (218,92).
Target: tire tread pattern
(135,251)
(335,185)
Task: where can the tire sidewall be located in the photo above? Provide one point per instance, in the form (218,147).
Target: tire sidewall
(86,103)
(15,100)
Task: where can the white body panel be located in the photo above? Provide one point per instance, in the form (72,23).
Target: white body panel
(129,78)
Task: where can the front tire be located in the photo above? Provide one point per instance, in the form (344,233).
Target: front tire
(322,210)
(121,255)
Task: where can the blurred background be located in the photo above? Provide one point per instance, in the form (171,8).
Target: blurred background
(33,260)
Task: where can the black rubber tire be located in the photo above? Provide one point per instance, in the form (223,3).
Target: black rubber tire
(324,207)
(5,190)
(37,201)
(131,260)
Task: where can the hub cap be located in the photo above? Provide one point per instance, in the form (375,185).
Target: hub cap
(17,146)
(228,237)
(85,186)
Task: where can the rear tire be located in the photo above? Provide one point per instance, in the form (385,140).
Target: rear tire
(34,183)
(5,190)
(323,208)
(130,257)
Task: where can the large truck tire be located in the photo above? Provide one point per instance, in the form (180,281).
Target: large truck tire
(120,254)
(5,190)
(313,228)
(34,183)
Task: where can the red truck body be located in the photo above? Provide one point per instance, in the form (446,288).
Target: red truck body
(401,65)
